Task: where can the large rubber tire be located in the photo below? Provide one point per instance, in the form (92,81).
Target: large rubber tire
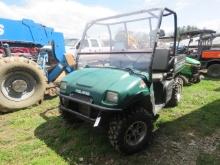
(120,126)
(214,71)
(176,94)
(20,69)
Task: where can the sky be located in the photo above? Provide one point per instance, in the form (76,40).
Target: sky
(70,16)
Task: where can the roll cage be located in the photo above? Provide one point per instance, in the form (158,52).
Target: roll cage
(161,13)
(205,39)
(204,36)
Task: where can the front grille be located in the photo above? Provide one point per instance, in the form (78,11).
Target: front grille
(84,109)
(80,107)
(195,69)
(81,97)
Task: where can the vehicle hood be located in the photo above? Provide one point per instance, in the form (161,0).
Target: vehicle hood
(192,61)
(95,82)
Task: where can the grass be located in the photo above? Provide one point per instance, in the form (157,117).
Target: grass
(205,159)
(187,134)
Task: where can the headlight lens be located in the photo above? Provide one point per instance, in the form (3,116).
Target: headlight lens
(63,86)
(112,97)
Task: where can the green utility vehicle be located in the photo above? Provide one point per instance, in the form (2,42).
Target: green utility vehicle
(123,86)
(191,73)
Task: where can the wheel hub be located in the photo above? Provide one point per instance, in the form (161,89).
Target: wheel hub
(136,133)
(19,86)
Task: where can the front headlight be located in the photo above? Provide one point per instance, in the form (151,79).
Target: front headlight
(112,97)
(63,86)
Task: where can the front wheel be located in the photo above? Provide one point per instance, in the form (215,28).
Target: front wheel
(131,133)
(184,80)
(176,94)
(198,79)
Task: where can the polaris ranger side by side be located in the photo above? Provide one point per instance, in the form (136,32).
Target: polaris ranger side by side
(124,88)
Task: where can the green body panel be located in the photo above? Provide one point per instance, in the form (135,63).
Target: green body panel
(95,82)
(192,61)
(187,70)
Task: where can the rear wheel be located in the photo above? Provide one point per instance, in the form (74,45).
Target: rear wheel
(22,83)
(176,94)
(131,133)
(214,71)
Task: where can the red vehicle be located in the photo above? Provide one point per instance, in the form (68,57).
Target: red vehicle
(29,51)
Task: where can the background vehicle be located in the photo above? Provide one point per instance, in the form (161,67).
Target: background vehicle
(207,52)
(191,73)
(30,51)
(70,45)
(24,79)
(89,45)
(125,86)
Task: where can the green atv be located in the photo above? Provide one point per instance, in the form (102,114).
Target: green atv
(124,85)
(191,73)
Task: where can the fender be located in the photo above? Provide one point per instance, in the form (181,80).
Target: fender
(207,63)
(140,98)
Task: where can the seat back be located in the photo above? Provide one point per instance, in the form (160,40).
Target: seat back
(161,60)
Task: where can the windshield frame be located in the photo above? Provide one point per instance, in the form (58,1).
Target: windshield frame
(163,13)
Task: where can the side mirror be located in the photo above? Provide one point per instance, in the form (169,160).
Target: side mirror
(161,33)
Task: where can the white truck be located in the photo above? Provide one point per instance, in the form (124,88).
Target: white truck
(89,45)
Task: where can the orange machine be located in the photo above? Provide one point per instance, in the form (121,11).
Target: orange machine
(211,54)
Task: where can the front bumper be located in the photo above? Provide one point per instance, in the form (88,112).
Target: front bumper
(90,114)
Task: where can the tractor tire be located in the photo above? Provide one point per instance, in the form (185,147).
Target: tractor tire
(132,132)
(214,71)
(22,83)
(176,94)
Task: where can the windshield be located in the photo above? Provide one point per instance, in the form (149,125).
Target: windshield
(128,41)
